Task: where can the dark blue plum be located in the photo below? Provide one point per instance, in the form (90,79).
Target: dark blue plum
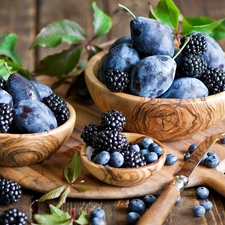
(198,210)
(116,159)
(123,40)
(151,37)
(185,88)
(102,158)
(32,116)
(202,192)
(122,57)
(42,89)
(5,97)
(132,218)
(21,89)
(152,76)
(136,205)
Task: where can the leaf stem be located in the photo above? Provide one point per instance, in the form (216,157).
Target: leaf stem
(181,49)
(128,10)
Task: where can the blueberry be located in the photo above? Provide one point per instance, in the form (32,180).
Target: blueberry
(203,159)
(222,140)
(132,218)
(116,159)
(145,142)
(144,152)
(102,158)
(97,221)
(212,161)
(187,156)
(178,201)
(149,200)
(192,148)
(154,147)
(152,76)
(202,192)
(208,205)
(198,210)
(136,205)
(171,159)
(214,154)
(97,212)
(135,147)
(151,157)
(186,87)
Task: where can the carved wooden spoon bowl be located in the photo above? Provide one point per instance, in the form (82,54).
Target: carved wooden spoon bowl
(123,177)
(162,119)
(28,149)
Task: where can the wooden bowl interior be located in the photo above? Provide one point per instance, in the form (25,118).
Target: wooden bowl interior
(28,149)
(123,176)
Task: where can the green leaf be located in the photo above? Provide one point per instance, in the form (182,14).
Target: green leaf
(83,188)
(8,47)
(61,63)
(52,194)
(102,22)
(57,32)
(63,197)
(83,219)
(58,212)
(167,12)
(72,169)
(187,28)
(218,33)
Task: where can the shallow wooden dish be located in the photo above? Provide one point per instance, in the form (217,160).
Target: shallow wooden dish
(28,149)
(162,119)
(123,177)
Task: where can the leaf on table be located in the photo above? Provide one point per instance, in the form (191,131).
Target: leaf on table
(57,32)
(63,197)
(8,47)
(61,63)
(102,22)
(83,188)
(83,219)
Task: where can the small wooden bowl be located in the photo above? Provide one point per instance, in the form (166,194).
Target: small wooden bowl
(28,149)
(162,119)
(123,177)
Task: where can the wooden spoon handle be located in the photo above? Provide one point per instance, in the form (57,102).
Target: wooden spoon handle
(160,209)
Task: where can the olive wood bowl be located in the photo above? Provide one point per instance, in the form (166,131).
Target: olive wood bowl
(123,177)
(163,119)
(27,149)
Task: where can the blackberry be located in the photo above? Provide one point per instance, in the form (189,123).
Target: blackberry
(58,106)
(116,80)
(214,80)
(10,191)
(109,140)
(2,83)
(89,132)
(6,117)
(113,119)
(192,65)
(132,158)
(13,216)
(197,44)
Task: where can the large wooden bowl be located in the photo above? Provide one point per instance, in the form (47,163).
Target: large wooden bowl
(28,149)
(162,119)
(123,177)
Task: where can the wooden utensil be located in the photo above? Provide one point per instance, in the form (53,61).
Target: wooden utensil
(158,212)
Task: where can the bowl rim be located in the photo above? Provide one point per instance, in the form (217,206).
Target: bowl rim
(61,128)
(90,74)
(86,159)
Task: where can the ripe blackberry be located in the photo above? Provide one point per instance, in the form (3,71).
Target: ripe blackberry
(58,106)
(132,158)
(113,119)
(192,65)
(116,80)
(89,132)
(6,117)
(214,80)
(10,191)
(2,83)
(197,44)
(13,216)
(109,140)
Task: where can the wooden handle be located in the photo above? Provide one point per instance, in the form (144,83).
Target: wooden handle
(160,209)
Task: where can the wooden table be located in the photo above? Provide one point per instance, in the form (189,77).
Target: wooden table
(27,17)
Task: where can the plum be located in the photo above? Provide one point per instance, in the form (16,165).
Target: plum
(151,37)
(186,87)
(123,40)
(32,116)
(5,97)
(20,88)
(122,57)
(152,76)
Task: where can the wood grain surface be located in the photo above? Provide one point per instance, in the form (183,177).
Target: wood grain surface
(26,18)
